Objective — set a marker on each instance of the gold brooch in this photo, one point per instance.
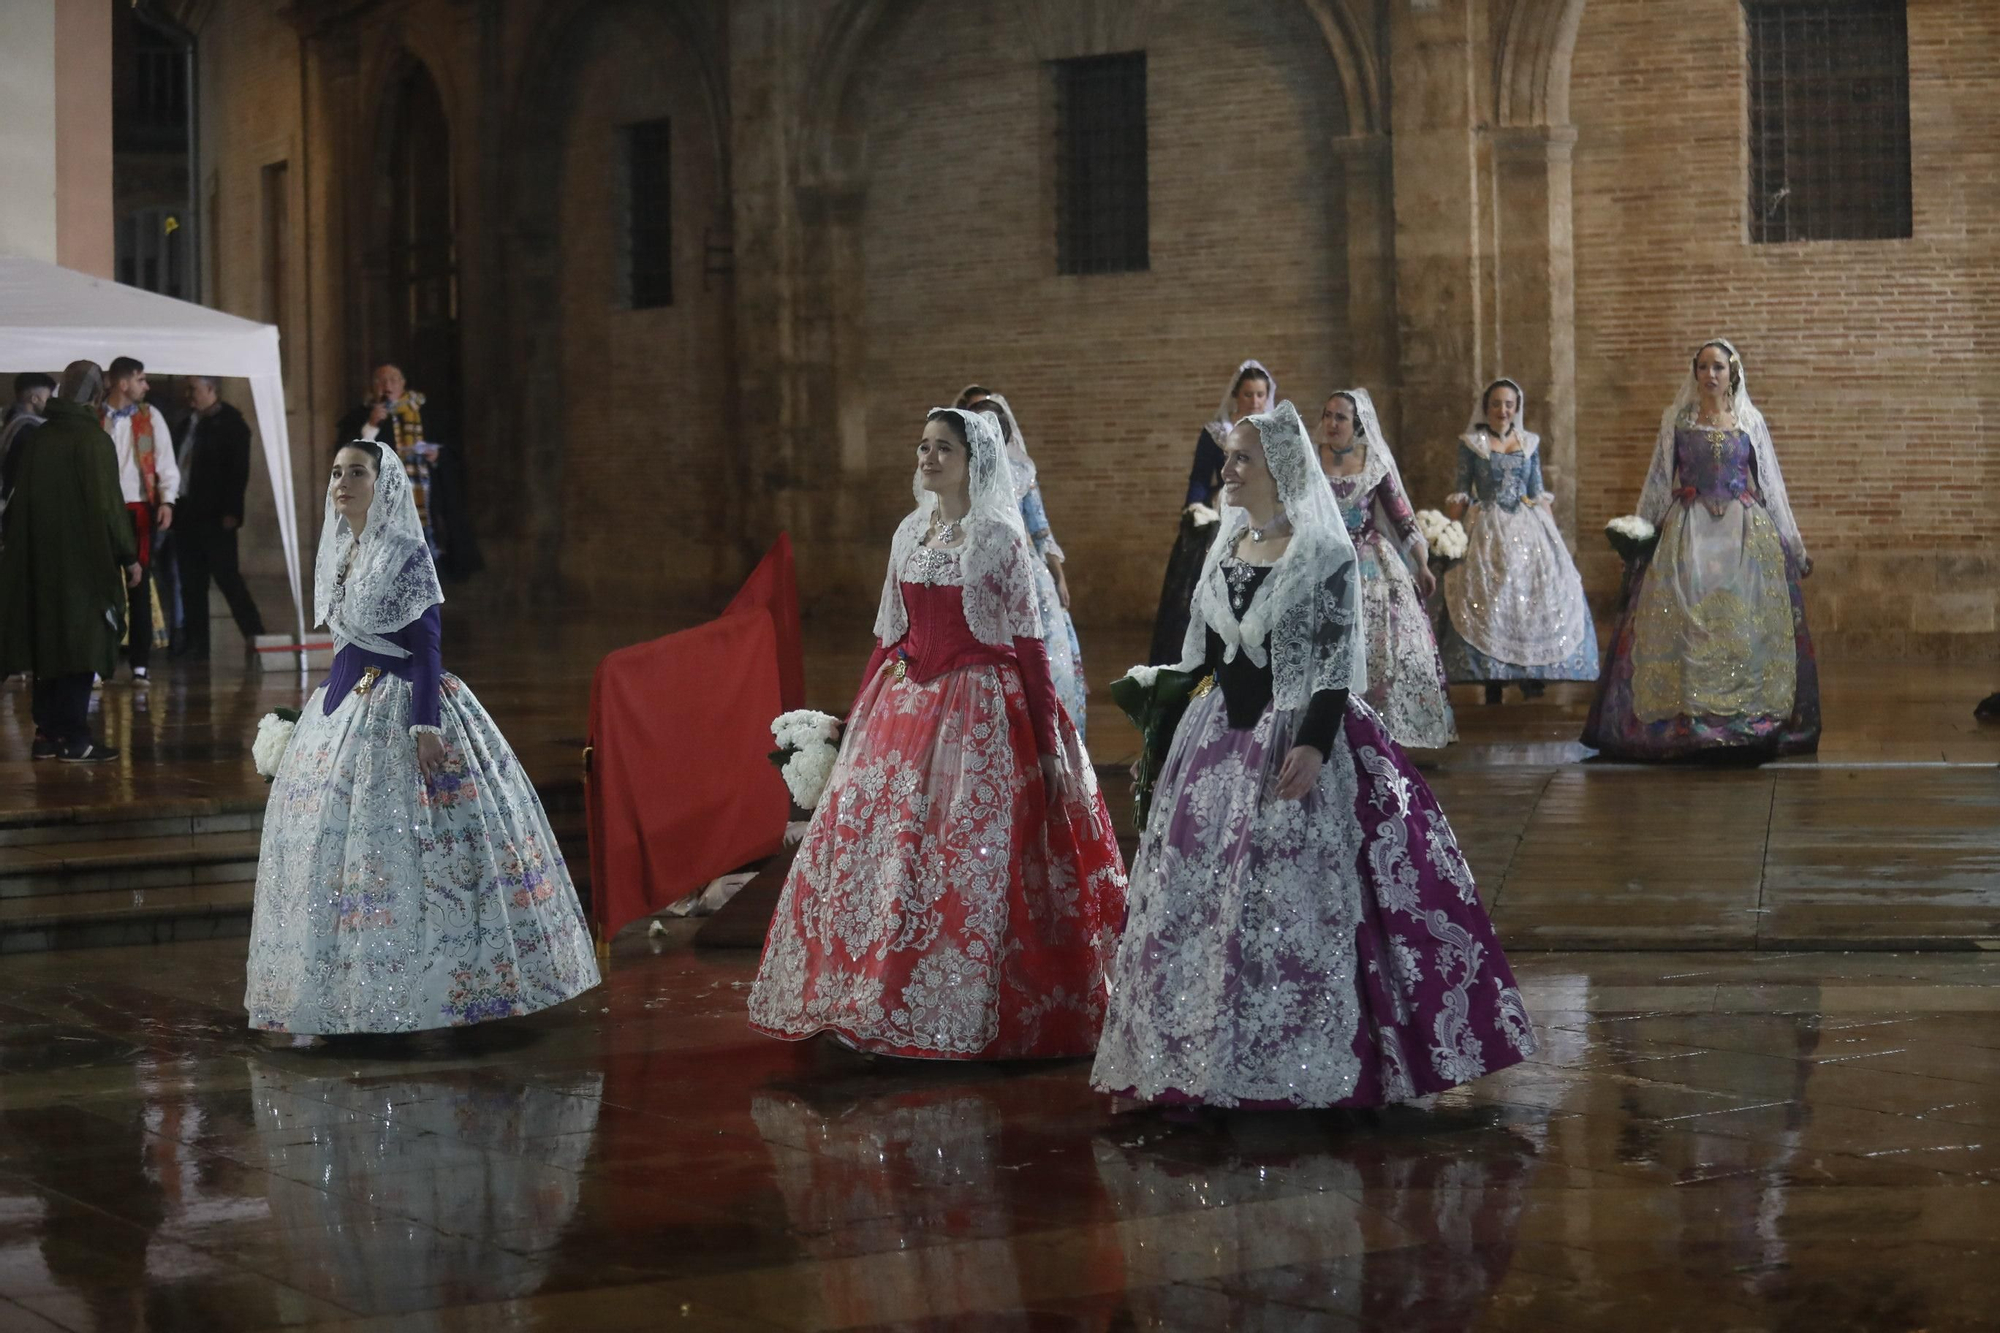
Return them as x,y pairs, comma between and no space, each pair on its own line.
901,669
1207,684
369,676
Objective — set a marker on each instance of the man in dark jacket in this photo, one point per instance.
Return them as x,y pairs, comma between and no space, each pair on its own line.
215,468
62,597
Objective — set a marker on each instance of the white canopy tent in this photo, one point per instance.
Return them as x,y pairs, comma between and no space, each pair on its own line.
51,316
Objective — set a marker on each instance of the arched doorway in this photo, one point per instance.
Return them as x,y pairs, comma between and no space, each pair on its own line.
412,293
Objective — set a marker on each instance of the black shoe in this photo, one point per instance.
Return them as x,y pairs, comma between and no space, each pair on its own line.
87,751
1493,694
1534,689
44,748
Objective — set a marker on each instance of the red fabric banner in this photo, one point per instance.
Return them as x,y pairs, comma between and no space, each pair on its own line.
681,787
774,586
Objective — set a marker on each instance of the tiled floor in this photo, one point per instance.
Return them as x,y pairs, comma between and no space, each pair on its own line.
1711,1141
1707,1142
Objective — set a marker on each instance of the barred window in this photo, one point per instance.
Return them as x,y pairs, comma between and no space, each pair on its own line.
1101,219
1829,120
649,230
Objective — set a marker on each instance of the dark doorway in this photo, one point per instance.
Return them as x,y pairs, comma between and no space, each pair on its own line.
412,316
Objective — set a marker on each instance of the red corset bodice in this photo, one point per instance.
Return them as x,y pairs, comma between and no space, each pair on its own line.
938,640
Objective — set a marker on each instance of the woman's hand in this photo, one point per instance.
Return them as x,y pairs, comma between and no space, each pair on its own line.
1805,567
1427,582
1300,772
1062,584
1055,782
430,753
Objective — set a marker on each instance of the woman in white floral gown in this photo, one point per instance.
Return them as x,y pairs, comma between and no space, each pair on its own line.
408,877
959,888
1303,930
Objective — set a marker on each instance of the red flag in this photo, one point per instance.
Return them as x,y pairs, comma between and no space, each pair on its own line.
681,786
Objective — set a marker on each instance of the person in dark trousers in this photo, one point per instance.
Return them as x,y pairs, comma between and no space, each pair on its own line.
62,592
215,469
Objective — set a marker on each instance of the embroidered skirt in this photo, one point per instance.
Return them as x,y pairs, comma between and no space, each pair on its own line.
1328,951
392,902
939,907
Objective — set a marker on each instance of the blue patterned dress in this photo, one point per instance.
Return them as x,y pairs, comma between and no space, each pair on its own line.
1513,608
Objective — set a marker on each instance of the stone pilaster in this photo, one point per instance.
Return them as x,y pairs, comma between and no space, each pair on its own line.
1536,293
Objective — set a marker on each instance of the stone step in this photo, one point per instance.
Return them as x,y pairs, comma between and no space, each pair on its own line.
82,879
143,916
113,865
31,828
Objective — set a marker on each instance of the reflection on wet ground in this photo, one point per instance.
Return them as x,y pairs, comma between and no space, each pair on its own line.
1708,1142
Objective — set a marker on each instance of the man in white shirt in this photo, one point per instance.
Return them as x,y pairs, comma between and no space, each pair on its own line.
150,479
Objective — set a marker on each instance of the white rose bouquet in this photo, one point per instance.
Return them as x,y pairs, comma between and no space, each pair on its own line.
1445,536
1631,536
808,744
274,734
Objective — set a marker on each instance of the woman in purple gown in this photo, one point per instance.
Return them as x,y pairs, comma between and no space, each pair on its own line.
1303,930
1711,658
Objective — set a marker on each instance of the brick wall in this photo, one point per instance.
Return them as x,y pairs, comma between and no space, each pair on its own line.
1873,361
1112,375
646,480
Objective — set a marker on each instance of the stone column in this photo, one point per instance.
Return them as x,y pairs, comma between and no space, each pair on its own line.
1369,190
1537,293
1433,58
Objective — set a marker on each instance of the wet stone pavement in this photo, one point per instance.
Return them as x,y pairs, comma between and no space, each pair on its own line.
1709,1142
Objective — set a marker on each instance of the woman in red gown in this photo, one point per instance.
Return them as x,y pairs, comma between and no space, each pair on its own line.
959,891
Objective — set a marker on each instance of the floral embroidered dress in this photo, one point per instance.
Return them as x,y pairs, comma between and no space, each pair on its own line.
1514,607
1406,681
389,901
940,906
1712,655
1325,951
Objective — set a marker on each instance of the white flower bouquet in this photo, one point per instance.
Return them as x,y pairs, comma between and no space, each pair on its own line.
1445,536
1631,536
274,733
808,744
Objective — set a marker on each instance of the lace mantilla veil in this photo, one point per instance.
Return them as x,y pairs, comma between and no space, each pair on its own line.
1378,462
1221,423
1658,492
392,579
1304,619
996,559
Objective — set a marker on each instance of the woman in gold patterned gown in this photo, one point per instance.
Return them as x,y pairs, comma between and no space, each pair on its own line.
1711,658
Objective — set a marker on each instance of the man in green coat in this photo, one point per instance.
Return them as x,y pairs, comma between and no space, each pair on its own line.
62,594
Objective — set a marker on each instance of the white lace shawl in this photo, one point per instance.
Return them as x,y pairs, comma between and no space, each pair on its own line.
997,560
392,580
1304,620
1026,477
1657,494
